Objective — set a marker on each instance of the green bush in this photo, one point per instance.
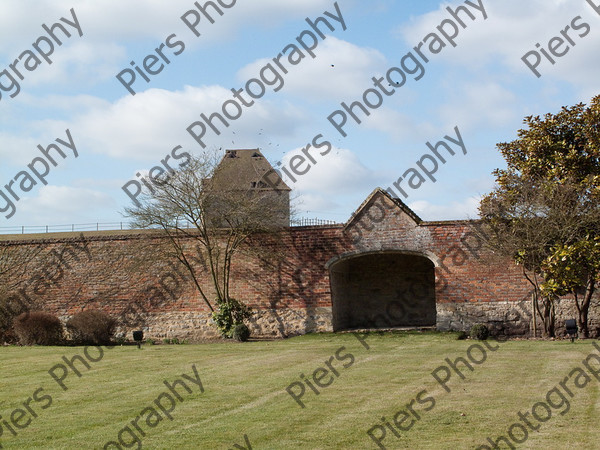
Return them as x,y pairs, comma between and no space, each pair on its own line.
462,335
174,341
38,328
229,314
240,332
92,327
479,332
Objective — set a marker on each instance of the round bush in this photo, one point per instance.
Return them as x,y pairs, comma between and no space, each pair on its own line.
38,328
229,313
479,332
92,327
241,332
462,335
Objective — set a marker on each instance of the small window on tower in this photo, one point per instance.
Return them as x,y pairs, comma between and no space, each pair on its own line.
257,155
231,154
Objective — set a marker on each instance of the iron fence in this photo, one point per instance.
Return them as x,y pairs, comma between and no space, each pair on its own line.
116,226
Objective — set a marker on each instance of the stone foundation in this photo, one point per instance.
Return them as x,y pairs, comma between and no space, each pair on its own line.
507,318
291,322
510,318
196,326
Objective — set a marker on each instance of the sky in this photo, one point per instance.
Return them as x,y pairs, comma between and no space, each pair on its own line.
372,86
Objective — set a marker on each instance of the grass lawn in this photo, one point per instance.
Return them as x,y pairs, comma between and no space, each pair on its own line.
244,394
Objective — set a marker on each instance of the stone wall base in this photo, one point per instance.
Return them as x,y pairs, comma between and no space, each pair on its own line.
290,322
195,326
510,318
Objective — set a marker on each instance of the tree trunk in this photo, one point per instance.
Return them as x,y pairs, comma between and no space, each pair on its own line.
583,309
582,322
549,318
547,315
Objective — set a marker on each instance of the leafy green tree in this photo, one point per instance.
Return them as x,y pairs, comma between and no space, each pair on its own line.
547,197
574,269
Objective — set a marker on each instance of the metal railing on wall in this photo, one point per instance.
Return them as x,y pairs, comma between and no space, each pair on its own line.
116,226
34,229
303,222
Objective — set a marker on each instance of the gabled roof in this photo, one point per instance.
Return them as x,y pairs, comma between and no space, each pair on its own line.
245,169
372,198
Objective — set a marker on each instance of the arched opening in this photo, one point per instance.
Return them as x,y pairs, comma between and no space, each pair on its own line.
383,290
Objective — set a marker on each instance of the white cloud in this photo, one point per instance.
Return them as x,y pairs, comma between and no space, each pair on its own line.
70,104
147,127
398,125
513,27
109,26
16,149
53,203
313,205
477,104
341,71
338,172
139,19
482,184
81,63
466,209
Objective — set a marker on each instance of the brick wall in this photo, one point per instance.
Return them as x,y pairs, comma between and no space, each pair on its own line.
292,293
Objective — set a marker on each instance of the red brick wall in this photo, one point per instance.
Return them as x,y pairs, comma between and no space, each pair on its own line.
105,276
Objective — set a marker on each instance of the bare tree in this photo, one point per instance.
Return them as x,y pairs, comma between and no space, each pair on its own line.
206,212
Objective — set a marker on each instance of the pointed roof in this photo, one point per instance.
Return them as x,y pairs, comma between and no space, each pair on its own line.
246,168
372,198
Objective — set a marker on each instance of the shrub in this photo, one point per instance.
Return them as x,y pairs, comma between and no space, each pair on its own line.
174,341
91,327
479,332
38,328
240,332
230,313
462,335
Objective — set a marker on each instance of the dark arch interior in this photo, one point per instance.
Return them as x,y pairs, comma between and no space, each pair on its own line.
383,291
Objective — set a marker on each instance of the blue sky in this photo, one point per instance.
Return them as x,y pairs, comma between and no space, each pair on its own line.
481,86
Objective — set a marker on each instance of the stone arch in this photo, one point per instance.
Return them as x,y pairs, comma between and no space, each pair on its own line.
382,289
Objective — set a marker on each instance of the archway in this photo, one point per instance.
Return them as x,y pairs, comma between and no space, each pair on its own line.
383,290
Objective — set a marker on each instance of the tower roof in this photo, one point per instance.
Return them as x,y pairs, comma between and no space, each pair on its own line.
245,169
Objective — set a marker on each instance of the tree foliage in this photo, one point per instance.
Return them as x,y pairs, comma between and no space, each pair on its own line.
546,201
574,269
